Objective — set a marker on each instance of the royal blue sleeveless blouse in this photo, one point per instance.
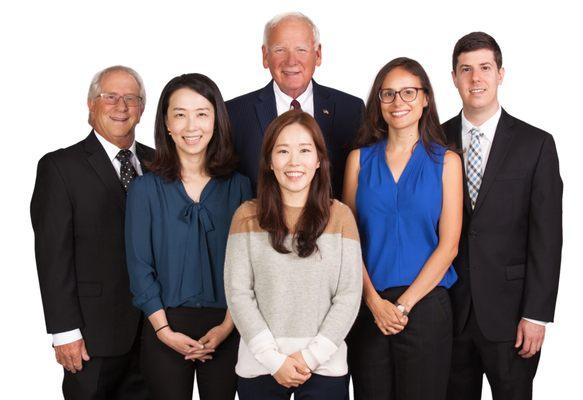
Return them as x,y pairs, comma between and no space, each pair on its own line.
398,221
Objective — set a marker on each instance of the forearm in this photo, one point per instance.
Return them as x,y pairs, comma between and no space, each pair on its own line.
430,275
158,319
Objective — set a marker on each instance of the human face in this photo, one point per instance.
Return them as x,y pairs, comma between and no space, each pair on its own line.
399,115
190,120
294,161
477,78
116,122
291,57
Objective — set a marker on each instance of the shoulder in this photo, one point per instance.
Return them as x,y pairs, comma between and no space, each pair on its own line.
243,99
527,129
147,151
341,96
245,218
144,184
63,157
342,221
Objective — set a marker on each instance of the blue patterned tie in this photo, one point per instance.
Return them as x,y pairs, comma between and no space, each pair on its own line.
474,167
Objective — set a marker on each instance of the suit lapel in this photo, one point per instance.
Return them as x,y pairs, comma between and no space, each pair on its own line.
323,110
456,132
498,152
265,106
143,155
97,158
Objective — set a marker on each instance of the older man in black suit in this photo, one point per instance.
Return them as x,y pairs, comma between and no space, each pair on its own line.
292,51
510,248
77,211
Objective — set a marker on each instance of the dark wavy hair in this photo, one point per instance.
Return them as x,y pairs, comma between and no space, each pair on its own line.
220,159
476,41
374,128
270,209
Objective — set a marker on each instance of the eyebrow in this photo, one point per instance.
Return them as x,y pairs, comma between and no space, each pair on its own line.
196,109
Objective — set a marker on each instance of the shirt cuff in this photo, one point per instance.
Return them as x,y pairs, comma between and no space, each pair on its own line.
319,350
62,338
535,321
265,350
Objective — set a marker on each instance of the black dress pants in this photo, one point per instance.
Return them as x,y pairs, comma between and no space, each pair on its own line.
108,378
169,376
510,376
411,365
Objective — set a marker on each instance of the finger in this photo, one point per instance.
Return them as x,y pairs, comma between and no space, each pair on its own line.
526,347
84,353
519,338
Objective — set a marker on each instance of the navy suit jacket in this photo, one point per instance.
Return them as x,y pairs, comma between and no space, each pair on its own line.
338,114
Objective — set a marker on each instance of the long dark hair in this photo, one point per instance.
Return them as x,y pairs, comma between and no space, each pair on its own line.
220,159
270,210
374,128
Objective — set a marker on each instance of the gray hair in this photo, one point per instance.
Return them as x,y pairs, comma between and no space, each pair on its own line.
95,87
273,22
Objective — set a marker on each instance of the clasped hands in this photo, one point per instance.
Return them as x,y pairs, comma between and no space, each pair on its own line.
191,349
293,372
387,317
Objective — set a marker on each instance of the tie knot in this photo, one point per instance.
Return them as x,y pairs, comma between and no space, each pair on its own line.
295,105
476,132
124,155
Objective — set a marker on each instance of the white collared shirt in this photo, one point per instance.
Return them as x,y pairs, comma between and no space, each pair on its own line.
283,101
488,128
111,150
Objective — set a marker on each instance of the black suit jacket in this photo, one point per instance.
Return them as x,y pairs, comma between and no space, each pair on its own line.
510,248
338,114
78,210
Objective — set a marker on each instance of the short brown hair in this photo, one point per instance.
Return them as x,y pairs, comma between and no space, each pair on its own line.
476,41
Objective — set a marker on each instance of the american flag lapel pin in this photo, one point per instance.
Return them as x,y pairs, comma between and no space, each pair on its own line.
325,111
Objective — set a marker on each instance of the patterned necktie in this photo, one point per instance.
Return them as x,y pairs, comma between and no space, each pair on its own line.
127,171
474,166
295,105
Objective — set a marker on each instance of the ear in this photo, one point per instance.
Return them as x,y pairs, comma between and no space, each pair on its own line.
501,73
264,52
318,165
319,55
454,78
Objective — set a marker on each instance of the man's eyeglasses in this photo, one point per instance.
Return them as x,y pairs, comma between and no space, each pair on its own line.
407,94
129,99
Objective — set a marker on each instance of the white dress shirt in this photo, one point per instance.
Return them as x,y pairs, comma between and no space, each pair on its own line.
111,150
283,101
488,128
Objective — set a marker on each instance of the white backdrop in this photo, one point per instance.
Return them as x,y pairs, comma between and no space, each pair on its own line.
51,49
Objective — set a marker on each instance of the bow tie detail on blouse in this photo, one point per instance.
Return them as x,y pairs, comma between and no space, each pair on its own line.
200,272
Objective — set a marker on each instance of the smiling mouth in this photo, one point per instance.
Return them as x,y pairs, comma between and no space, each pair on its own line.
291,73
119,119
477,91
294,174
399,114
192,139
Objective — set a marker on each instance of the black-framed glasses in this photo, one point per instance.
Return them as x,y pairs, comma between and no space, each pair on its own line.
130,100
407,94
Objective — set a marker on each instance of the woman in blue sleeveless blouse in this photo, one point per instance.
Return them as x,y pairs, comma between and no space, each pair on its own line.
405,189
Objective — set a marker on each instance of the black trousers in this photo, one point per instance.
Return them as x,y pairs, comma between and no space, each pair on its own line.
318,387
510,376
169,376
414,364
108,378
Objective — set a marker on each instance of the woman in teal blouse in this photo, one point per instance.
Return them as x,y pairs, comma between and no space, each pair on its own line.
177,223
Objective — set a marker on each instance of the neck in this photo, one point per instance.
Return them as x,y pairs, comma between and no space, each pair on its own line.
294,199
477,116
403,139
294,94
192,166
124,142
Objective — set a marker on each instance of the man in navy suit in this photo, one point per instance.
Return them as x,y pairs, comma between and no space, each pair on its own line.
292,51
